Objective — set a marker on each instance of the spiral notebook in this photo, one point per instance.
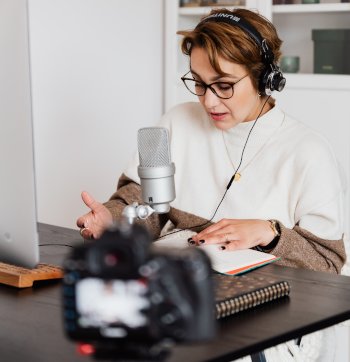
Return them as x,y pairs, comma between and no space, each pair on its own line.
234,294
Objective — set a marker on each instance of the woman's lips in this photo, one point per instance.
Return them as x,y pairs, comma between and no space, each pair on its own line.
217,116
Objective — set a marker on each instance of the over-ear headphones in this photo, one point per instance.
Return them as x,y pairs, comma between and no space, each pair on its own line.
271,77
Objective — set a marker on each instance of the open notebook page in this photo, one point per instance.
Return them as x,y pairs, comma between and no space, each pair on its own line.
224,261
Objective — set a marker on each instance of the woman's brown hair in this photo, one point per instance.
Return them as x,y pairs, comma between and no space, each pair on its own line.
232,43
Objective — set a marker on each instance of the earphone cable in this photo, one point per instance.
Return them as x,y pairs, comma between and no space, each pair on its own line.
245,145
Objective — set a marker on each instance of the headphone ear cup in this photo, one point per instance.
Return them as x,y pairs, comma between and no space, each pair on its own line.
263,82
278,80
271,79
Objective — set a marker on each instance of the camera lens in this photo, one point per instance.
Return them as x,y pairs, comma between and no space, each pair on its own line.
111,259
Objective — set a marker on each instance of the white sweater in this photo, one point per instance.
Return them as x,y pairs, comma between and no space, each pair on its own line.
289,172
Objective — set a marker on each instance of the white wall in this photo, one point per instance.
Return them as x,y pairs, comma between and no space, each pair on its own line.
325,108
97,68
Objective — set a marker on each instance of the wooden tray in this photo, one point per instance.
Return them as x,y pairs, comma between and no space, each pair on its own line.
23,278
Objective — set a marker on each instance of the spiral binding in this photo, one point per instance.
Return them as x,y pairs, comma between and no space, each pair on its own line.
251,299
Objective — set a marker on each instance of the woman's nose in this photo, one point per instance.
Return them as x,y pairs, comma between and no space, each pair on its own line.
210,99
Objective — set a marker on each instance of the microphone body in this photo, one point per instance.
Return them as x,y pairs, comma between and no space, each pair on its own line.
156,171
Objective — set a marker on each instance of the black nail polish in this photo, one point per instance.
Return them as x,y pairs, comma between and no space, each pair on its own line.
202,241
222,247
190,241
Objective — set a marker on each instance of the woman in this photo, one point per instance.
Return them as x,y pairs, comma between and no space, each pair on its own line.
284,193
247,174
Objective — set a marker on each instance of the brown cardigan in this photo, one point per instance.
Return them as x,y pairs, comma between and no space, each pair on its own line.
297,247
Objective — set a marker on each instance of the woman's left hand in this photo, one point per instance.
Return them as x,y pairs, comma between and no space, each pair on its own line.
233,234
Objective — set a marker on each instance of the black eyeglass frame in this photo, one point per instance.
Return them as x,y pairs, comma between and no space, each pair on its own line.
206,86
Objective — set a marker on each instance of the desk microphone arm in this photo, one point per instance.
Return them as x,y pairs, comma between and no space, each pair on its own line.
136,211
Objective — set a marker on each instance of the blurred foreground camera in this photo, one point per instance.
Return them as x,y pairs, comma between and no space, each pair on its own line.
128,300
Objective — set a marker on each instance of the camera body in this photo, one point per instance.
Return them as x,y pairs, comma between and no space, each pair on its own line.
118,291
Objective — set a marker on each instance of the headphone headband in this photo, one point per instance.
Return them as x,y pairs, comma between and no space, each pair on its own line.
267,54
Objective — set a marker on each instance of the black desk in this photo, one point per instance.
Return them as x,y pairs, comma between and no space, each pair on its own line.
31,323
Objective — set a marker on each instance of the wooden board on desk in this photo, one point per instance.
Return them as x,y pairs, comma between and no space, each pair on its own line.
23,277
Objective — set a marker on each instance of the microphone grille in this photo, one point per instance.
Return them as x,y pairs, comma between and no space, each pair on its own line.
153,146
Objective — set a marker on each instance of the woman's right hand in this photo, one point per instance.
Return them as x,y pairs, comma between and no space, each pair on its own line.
95,222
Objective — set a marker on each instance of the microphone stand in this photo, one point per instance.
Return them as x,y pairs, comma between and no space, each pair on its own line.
136,211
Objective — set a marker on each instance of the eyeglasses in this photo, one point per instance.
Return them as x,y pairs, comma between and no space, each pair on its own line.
223,90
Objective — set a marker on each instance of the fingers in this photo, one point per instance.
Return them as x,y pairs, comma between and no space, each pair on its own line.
221,232
85,220
90,202
233,234
226,233
86,233
96,221
81,221
220,237
233,245
211,229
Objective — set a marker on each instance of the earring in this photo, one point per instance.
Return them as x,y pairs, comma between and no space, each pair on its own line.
259,94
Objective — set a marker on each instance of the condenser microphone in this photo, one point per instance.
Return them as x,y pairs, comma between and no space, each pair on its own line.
156,171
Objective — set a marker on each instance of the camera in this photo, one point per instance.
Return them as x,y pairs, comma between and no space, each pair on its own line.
127,299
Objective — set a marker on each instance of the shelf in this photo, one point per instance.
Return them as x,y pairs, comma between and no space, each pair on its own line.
202,10
329,82
276,9
310,8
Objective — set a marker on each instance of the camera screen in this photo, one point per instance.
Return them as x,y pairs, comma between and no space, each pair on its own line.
111,303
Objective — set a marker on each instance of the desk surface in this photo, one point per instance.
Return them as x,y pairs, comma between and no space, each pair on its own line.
31,319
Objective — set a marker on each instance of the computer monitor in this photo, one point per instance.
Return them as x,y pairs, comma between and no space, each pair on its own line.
18,219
